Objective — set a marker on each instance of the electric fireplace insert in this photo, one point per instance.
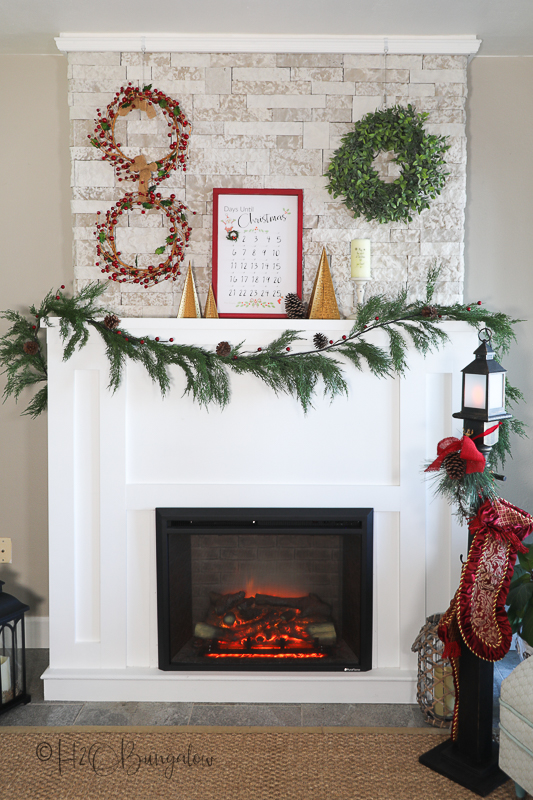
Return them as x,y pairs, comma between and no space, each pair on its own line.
285,589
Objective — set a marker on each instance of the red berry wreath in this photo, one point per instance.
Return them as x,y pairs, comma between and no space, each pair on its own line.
131,169
179,232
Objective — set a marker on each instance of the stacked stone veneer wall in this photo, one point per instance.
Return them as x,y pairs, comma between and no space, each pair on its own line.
269,121
282,564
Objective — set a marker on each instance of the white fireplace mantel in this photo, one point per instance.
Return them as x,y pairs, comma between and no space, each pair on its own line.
114,458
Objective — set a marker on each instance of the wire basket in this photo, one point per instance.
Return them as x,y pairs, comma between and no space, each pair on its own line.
435,692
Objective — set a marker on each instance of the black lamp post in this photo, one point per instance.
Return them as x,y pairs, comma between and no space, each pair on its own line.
12,652
472,760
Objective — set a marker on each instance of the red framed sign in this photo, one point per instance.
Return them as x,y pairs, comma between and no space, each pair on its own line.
257,250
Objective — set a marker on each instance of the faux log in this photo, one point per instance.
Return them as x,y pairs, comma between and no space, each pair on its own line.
311,605
323,631
223,603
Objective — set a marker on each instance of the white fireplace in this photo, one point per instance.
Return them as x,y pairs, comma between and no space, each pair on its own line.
115,458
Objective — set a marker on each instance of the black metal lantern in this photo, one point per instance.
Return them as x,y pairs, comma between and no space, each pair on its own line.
483,397
12,652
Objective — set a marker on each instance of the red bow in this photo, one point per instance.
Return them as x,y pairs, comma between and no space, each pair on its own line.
475,461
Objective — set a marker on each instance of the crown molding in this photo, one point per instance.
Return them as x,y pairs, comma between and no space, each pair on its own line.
259,43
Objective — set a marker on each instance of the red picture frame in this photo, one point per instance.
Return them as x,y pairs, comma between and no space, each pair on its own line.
257,251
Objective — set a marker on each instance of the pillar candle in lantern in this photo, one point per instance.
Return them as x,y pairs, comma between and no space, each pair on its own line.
5,677
360,258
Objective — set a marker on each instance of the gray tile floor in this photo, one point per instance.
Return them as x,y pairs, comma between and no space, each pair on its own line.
41,712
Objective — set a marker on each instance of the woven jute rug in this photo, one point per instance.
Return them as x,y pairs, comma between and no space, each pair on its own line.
222,764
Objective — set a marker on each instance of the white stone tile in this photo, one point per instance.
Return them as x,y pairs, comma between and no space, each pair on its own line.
263,128
90,206
87,72
316,135
365,105
294,162
289,142
309,60
438,76
451,89
93,173
218,80
190,59
261,74
286,101
263,60
148,59
293,114
178,88
404,61
313,183
271,87
141,75
377,75
445,128
441,249
333,87
421,89
317,74
332,114
355,61
444,62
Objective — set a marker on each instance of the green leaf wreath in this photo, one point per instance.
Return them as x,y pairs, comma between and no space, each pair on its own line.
420,156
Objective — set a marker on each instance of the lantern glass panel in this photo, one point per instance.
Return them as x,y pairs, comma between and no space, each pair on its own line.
11,661
493,437
475,391
496,390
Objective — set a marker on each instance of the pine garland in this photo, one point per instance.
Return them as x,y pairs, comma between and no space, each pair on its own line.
283,369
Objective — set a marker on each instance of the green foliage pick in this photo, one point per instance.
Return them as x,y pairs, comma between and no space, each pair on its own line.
419,155
520,597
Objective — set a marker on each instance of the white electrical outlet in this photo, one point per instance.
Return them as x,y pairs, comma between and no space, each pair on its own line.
5,551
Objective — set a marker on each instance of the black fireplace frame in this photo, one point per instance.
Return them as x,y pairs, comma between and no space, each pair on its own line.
355,527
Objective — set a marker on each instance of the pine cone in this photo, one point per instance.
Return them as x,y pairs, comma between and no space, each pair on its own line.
455,466
430,312
31,348
223,349
294,308
111,322
320,341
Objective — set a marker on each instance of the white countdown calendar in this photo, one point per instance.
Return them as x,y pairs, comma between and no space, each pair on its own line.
257,250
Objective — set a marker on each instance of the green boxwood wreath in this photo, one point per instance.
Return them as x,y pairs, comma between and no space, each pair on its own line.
420,156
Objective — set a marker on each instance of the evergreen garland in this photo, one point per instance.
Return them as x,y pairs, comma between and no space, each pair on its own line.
283,369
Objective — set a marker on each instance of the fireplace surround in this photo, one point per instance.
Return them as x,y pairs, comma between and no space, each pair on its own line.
115,458
305,580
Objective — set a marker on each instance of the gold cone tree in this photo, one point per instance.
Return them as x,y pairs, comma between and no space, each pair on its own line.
323,303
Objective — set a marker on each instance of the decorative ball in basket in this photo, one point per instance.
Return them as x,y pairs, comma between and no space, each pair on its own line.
435,692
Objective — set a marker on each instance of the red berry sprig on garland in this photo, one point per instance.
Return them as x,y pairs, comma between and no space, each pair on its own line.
145,99
114,264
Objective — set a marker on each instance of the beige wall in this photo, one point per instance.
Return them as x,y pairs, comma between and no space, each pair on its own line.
36,256
499,220
35,248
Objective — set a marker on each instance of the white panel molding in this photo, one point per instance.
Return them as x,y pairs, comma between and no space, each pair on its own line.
467,44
